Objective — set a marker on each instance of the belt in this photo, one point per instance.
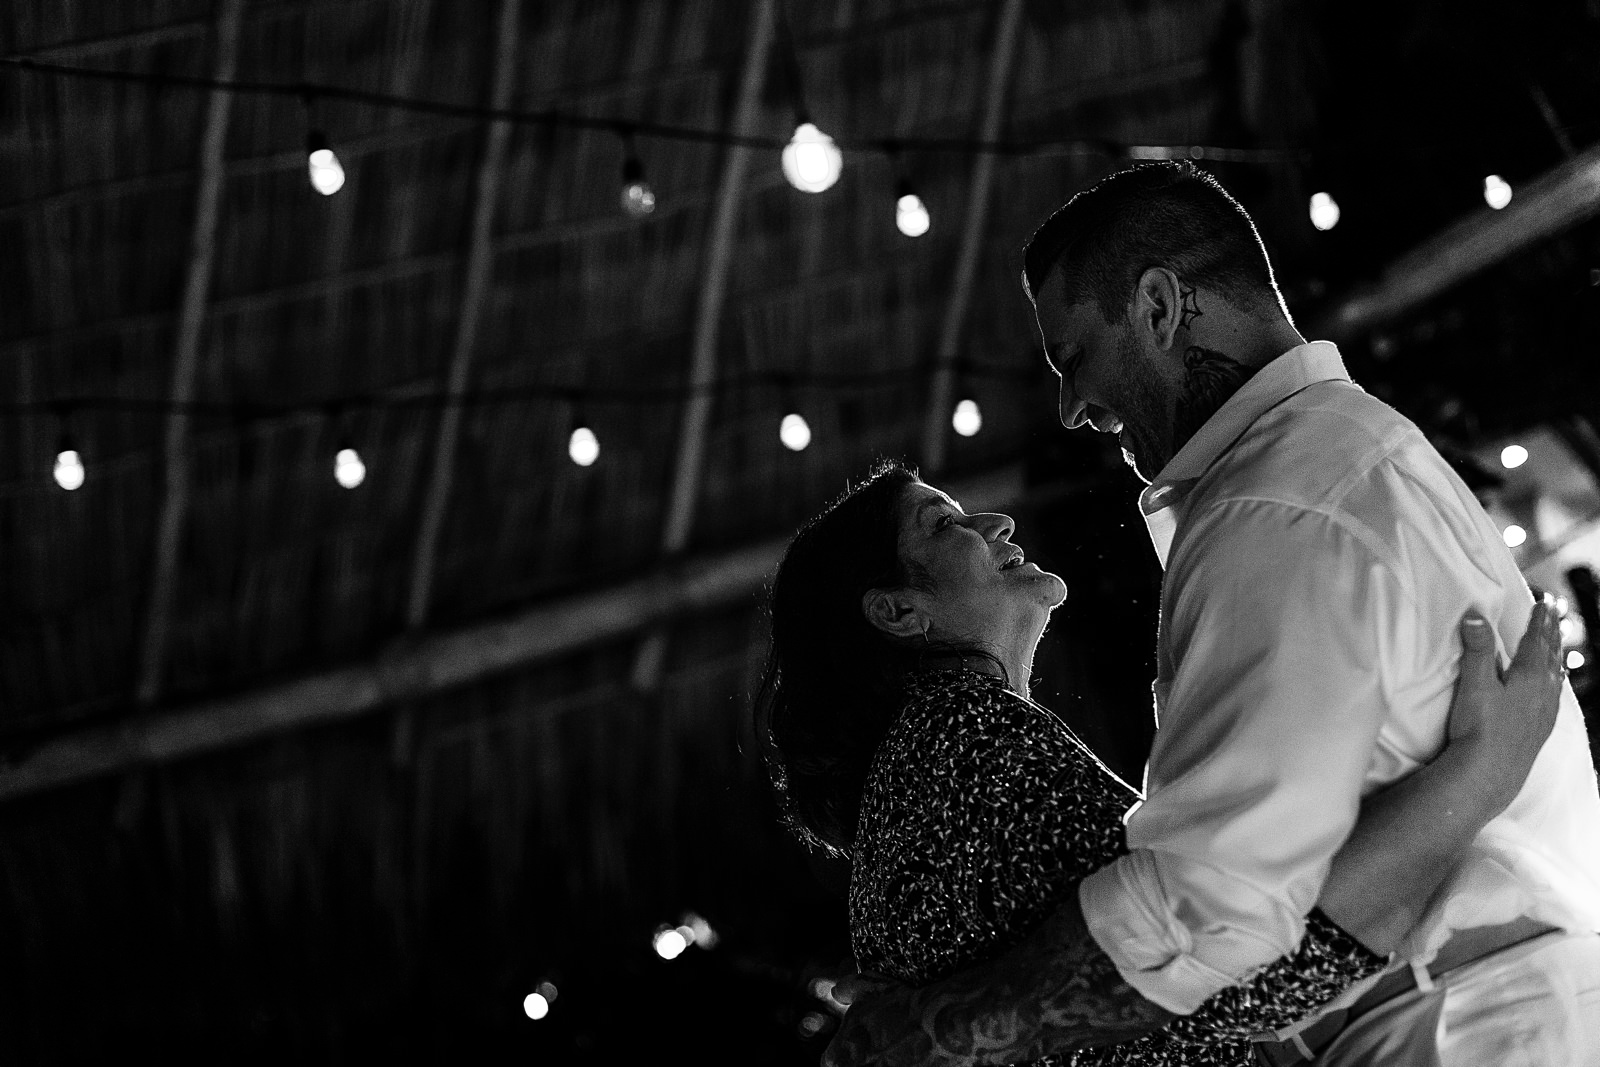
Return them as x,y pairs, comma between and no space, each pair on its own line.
1464,947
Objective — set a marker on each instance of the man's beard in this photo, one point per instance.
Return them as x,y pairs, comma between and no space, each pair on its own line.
1144,415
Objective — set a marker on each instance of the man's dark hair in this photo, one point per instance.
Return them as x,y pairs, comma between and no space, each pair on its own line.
1170,215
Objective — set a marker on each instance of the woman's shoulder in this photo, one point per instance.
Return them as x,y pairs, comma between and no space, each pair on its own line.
971,712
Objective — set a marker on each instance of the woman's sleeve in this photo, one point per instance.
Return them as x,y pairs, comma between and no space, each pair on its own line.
1327,962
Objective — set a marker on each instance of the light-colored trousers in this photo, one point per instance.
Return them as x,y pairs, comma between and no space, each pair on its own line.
1534,1005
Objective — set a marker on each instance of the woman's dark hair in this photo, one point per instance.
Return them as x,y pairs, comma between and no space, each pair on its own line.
1168,214
832,684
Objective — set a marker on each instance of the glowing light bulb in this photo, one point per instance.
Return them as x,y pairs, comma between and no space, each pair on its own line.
1324,211
1513,456
1496,191
69,470
911,215
535,1006
1574,659
583,447
327,175
669,944
348,470
638,199
794,433
967,419
811,161
1514,535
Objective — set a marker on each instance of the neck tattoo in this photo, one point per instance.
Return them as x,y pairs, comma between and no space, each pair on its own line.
1210,379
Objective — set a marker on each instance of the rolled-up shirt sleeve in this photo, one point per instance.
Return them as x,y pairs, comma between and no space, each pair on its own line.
1283,628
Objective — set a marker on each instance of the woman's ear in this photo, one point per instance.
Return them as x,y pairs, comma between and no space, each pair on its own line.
894,611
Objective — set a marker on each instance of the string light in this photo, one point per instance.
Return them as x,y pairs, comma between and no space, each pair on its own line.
794,432
327,175
535,1006
348,470
811,160
69,470
1324,211
967,420
1574,659
1513,456
1496,191
638,199
1514,535
583,447
669,943
910,213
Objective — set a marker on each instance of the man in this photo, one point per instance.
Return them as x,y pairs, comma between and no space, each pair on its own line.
1318,552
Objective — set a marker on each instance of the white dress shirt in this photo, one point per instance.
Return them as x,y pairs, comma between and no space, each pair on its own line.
1319,556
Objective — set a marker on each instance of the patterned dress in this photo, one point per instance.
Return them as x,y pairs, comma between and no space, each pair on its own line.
982,812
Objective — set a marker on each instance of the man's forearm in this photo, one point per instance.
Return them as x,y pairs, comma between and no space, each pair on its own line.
1054,992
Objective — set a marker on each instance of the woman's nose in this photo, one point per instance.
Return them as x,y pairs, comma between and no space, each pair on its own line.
998,527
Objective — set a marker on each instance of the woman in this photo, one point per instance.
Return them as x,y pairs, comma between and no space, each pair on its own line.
896,712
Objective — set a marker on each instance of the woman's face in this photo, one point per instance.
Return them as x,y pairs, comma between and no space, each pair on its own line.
982,590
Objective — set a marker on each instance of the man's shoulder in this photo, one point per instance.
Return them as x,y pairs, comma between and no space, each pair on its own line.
1321,450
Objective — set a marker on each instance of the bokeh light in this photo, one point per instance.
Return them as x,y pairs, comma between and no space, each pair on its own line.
911,215
348,470
967,419
1513,456
811,161
535,1006
69,470
1324,211
1496,191
1514,535
669,943
794,432
583,447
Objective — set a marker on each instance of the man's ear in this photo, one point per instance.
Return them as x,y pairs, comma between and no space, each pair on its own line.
1158,305
894,611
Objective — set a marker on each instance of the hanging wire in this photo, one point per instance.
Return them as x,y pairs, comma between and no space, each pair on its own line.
551,117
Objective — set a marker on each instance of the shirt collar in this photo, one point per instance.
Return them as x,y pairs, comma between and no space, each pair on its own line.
1301,366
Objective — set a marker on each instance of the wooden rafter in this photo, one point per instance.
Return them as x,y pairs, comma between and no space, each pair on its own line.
474,297
678,521
941,391
417,668
1564,197
186,362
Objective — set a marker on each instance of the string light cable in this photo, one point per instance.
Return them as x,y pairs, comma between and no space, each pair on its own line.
552,117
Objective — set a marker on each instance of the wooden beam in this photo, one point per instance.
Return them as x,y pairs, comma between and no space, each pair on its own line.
941,392
186,361
415,668
1564,197
678,522
474,297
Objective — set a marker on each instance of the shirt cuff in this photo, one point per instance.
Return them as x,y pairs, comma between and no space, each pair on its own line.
1152,950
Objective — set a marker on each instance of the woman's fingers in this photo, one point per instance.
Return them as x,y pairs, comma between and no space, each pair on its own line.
1477,652
1538,658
